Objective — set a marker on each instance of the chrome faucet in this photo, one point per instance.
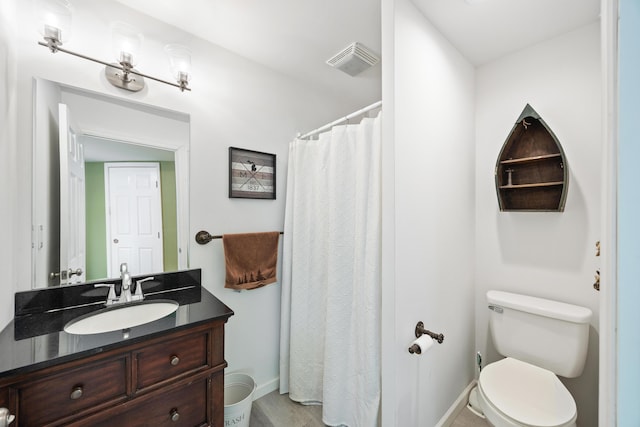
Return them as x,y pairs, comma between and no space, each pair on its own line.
111,297
138,295
125,291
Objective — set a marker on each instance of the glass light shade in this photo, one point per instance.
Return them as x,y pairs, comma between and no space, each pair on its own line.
54,19
180,60
126,42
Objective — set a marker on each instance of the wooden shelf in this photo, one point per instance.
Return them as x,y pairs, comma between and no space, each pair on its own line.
531,170
537,184
530,159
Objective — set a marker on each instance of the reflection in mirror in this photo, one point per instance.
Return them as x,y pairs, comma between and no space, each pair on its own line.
124,198
137,186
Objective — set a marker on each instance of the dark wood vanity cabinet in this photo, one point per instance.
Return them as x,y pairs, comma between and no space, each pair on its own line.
176,379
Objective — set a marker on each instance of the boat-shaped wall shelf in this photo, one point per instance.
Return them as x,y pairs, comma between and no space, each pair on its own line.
531,171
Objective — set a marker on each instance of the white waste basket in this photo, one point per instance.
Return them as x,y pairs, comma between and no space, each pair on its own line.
238,397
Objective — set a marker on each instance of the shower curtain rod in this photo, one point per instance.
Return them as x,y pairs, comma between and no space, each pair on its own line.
341,120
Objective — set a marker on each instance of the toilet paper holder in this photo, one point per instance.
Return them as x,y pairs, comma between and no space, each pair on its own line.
420,331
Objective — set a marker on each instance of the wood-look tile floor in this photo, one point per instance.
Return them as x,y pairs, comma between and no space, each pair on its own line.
277,410
466,418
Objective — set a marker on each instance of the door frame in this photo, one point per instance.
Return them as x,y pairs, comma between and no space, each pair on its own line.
115,165
180,150
608,346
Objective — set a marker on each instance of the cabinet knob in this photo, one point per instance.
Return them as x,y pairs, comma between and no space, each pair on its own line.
175,416
175,360
76,393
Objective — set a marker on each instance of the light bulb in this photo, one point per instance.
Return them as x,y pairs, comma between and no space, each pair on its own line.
54,19
126,43
180,60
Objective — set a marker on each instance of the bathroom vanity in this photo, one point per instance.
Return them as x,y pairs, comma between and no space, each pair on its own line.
166,372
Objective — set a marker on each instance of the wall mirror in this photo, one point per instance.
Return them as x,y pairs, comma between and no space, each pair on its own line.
110,185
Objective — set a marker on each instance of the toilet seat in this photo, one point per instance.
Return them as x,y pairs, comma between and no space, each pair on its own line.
526,395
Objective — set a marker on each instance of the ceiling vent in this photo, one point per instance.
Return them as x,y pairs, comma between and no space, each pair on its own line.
354,59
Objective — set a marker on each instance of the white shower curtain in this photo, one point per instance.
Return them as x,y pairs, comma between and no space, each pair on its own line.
330,339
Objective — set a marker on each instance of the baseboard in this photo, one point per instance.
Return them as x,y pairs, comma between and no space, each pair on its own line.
451,414
266,388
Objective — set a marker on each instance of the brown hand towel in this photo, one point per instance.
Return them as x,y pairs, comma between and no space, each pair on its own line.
251,259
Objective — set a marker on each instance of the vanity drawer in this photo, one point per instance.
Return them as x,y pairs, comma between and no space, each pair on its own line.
181,406
61,395
165,360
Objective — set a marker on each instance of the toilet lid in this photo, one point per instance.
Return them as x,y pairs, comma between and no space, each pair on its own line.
526,393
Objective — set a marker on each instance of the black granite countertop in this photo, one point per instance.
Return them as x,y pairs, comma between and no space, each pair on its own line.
35,338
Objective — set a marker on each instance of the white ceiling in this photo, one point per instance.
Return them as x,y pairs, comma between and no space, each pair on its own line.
296,37
484,30
97,149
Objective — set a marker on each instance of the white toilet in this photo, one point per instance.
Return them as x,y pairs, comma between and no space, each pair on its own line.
540,338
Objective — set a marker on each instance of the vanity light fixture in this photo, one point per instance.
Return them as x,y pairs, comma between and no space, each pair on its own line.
55,24
180,59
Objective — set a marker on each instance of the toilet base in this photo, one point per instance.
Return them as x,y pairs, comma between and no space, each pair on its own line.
473,403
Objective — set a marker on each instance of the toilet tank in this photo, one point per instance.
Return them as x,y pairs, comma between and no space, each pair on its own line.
549,334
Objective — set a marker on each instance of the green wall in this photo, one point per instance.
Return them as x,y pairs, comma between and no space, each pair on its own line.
169,215
96,257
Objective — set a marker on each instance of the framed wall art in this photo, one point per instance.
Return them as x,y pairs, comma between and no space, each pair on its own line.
252,174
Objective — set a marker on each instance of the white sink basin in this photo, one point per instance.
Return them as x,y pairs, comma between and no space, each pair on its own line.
117,317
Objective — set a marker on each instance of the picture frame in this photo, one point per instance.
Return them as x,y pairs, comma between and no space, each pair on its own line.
252,174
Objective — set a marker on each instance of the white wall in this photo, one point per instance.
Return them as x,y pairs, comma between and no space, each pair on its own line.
235,102
550,255
432,254
8,152
429,96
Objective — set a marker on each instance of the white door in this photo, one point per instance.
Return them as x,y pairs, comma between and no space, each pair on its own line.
134,218
72,202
